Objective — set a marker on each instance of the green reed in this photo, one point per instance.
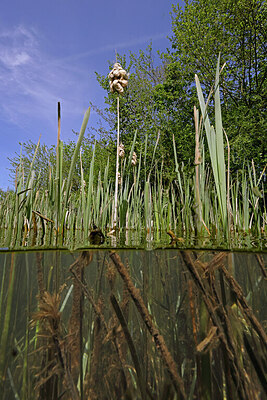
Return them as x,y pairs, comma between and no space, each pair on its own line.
52,217
208,203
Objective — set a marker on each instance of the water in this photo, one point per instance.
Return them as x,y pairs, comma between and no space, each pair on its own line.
133,324
140,239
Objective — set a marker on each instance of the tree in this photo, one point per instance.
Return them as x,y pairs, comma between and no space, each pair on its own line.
237,29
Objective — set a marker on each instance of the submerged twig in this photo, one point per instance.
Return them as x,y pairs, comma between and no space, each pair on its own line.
261,264
55,350
221,321
159,340
206,343
89,295
245,307
86,257
130,343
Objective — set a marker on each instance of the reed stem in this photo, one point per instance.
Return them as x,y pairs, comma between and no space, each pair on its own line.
115,216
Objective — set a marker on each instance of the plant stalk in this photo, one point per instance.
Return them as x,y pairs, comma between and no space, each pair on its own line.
115,216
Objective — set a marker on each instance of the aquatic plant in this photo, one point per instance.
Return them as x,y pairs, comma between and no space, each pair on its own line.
52,217
118,82
160,324
215,142
207,205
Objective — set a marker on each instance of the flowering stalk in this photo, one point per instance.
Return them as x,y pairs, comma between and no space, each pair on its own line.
118,81
117,166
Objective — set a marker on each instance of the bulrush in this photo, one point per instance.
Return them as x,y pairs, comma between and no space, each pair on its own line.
118,79
134,158
119,179
121,150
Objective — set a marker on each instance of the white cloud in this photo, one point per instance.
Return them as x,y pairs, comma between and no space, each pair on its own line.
32,82
16,46
13,59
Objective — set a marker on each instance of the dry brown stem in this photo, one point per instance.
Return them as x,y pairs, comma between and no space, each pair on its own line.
220,320
159,340
248,313
208,341
192,310
75,322
101,332
261,264
96,353
54,350
130,342
89,295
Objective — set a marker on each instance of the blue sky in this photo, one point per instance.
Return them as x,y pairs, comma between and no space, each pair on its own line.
49,52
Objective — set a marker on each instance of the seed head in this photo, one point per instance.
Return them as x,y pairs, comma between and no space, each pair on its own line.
134,158
118,79
121,150
119,178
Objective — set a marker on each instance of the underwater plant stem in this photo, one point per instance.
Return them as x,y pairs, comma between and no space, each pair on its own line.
7,318
40,273
85,258
159,340
130,343
246,310
261,264
221,321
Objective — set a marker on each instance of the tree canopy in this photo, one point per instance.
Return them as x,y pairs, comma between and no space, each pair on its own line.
160,98
237,30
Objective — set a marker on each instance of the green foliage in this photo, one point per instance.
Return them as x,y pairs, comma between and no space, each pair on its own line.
74,189
215,144
45,160
54,217
161,95
237,29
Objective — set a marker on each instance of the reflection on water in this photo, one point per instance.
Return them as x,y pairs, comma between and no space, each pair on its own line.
133,324
142,239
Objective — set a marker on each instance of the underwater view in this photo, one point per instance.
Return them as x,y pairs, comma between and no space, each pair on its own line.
133,324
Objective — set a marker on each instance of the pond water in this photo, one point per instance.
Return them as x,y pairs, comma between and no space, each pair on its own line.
133,324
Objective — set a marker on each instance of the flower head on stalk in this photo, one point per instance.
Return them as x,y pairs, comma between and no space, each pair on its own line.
118,79
119,179
134,158
121,150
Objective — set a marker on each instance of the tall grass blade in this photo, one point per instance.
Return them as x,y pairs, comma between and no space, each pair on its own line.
76,153
88,211
215,144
